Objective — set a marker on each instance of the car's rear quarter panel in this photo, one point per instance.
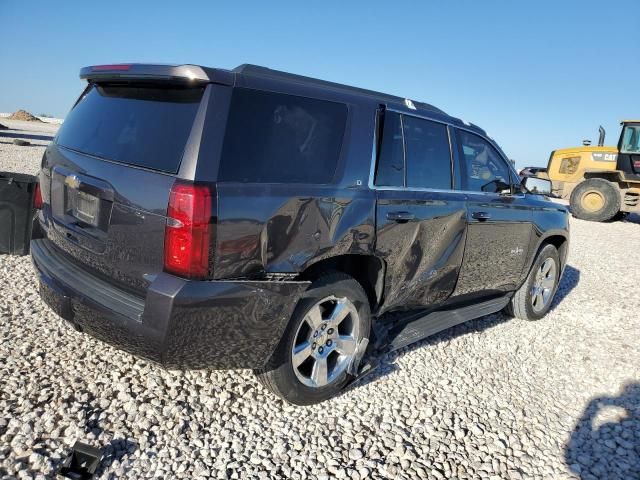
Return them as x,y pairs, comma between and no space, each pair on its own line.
285,228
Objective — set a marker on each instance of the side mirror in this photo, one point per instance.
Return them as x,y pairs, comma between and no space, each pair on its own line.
539,186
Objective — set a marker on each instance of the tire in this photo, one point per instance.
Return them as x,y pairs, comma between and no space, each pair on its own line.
595,199
525,303
303,383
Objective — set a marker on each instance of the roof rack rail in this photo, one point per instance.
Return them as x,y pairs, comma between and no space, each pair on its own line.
257,70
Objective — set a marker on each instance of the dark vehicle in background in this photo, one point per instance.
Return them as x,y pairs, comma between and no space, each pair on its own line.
532,171
207,218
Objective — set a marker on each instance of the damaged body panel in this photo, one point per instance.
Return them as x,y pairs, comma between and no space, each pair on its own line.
286,231
180,323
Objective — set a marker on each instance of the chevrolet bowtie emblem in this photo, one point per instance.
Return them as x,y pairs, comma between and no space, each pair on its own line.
72,181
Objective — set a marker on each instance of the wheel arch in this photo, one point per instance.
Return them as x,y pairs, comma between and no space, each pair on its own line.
368,270
560,240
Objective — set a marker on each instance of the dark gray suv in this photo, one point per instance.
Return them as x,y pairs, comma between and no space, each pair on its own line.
207,218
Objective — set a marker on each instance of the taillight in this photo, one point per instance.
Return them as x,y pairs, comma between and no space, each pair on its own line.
37,197
636,164
188,230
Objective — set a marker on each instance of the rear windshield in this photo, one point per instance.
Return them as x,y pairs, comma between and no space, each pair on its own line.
279,138
145,126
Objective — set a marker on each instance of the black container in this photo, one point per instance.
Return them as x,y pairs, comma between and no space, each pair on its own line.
16,212
82,463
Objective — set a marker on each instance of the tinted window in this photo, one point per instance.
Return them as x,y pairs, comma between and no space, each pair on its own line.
277,138
142,126
428,154
631,139
390,170
483,169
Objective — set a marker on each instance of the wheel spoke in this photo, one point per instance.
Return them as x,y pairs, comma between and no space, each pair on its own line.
314,317
319,373
301,353
546,293
546,266
346,345
548,282
339,313
538,300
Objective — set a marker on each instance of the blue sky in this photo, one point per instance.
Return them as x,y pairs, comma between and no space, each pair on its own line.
536,76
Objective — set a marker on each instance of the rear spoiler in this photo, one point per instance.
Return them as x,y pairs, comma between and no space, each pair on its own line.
189,74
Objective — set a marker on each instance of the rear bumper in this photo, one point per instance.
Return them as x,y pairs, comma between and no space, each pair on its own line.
180,323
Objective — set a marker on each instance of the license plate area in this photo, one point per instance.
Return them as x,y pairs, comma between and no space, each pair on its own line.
84,207
81,206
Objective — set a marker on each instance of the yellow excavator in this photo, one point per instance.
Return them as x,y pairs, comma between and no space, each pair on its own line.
601,183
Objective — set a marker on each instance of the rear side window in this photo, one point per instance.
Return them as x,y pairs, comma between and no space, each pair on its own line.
279,138
390,171
414,153
137,125
428,154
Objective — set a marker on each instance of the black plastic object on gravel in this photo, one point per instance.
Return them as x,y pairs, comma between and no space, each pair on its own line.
82,463
16,212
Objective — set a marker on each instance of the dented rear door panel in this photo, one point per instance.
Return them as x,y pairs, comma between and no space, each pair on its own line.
424,253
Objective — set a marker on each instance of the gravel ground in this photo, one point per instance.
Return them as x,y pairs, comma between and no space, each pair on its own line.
14,158
495,398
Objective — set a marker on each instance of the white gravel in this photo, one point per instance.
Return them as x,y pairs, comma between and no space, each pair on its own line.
14,158
495,398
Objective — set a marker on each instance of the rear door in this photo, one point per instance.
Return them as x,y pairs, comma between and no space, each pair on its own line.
499,220
107,176
420,220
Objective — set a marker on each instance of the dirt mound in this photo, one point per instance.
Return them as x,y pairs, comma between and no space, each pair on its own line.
24,116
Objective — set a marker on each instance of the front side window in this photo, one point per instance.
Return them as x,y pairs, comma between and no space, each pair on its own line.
483,169
279,138
631,139
428,154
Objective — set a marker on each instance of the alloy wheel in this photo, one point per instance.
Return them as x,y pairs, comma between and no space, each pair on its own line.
543,285
326,341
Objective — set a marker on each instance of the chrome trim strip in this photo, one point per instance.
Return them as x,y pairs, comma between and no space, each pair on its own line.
374,152
418,115
404,152
451,159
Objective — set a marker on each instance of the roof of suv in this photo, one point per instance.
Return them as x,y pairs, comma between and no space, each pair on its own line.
201,74
258,71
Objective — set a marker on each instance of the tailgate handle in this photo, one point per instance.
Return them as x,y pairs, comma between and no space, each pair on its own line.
481,215
400,216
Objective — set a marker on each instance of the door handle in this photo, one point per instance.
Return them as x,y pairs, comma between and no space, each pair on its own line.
400,216
481,216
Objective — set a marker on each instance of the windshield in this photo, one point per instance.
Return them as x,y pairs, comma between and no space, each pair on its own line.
630,139
146,126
